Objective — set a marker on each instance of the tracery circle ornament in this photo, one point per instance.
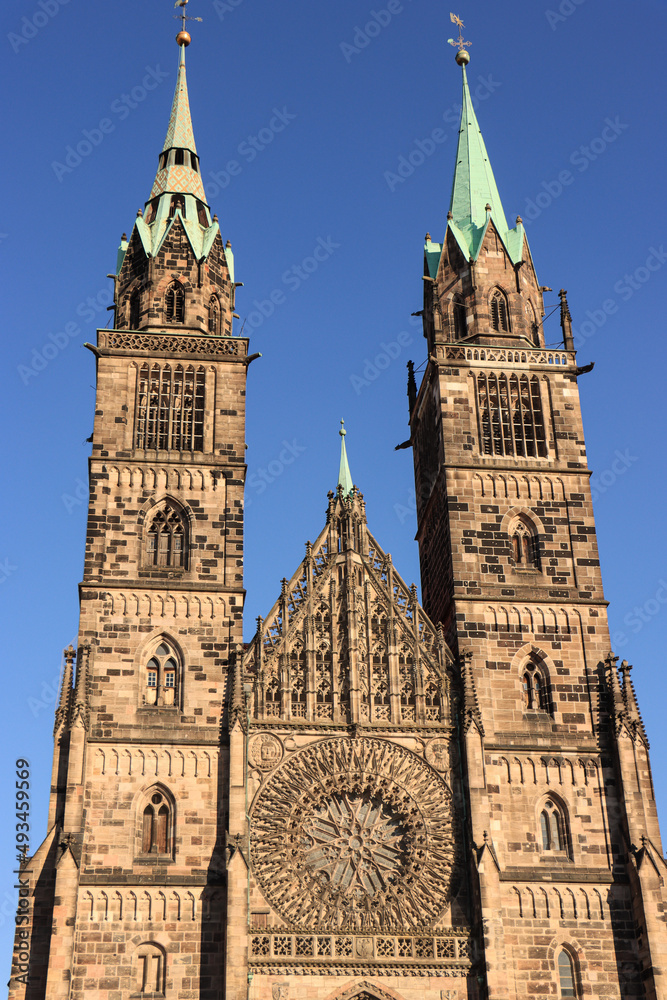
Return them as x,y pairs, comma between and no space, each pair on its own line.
265,751
354,834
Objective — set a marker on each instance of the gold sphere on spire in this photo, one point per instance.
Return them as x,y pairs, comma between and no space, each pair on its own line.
462,57
183,38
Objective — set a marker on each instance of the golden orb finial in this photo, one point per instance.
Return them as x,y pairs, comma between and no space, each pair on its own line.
183,38
462,56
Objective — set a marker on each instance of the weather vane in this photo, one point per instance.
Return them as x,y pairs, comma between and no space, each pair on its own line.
183,16
459,43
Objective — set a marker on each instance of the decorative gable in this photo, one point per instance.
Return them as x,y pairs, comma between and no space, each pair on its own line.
347,641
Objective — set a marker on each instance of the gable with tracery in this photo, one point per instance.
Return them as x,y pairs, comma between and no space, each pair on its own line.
347,641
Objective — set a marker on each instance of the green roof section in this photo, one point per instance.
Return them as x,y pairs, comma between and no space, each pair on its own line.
475,201
344,475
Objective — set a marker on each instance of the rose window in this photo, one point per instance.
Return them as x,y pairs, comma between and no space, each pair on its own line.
354,834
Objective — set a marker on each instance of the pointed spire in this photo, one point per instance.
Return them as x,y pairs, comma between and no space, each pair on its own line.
475,200
344,476
474,185
178,167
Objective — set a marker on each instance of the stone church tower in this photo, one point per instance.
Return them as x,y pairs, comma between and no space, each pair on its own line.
373,800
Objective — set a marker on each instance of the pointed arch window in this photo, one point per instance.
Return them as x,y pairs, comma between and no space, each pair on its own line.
162,677
272,698
174,303
170,408
499,312
213,314
524,545
460,321
553,828
566,977
511,420
432,703
155,826
535,689
167,539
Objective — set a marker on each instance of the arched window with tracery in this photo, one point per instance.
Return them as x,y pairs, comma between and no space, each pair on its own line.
553,828
535,688
524,544
499,312
511,421
157,823
170,408
167,539
174,303
566,974
213,315
162,680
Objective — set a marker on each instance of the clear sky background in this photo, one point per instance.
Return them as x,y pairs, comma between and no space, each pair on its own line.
353,104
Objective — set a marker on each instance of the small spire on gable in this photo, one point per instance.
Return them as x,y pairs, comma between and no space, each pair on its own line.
344,475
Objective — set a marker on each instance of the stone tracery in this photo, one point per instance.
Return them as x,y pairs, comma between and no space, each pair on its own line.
354,834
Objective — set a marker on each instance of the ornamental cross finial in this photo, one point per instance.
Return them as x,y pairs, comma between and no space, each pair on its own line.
183,17
458,43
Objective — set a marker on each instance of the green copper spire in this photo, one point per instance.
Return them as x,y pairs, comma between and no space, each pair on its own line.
475,199
474,185
178,191
344,476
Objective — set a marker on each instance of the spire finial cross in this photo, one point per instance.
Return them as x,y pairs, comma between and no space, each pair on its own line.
183,17
458,43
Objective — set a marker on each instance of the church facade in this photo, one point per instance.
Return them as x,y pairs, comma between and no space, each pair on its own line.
375,799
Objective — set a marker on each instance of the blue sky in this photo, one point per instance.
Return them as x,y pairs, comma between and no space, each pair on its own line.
307,121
